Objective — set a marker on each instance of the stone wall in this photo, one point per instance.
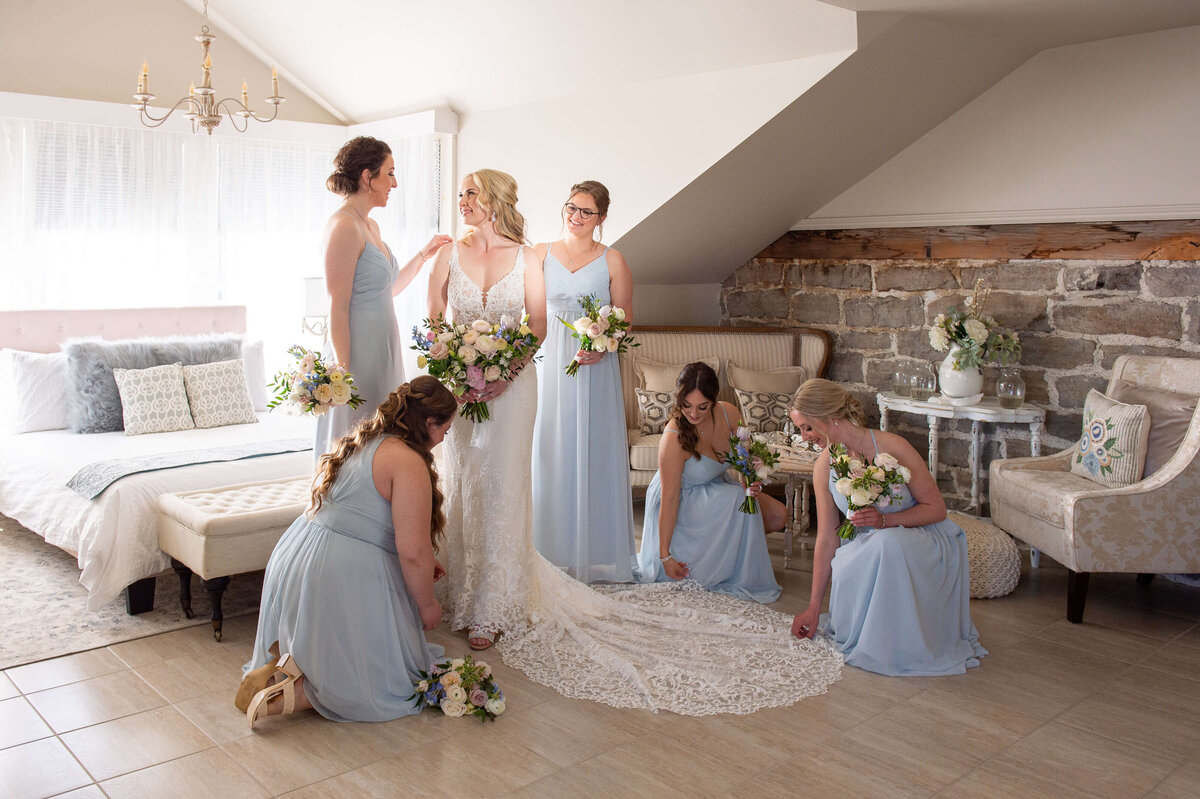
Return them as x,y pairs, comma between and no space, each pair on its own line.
1074,316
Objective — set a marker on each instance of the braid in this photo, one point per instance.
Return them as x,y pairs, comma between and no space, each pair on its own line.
402,415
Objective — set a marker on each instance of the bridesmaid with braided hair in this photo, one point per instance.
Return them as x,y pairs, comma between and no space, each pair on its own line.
348,592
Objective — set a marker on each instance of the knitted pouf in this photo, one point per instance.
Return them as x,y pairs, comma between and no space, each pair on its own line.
993,556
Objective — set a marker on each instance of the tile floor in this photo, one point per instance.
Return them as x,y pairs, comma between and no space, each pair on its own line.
1110,708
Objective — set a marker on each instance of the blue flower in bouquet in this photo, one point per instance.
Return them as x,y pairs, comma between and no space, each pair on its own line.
314,385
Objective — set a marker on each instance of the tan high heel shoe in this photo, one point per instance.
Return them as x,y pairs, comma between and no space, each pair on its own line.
253,682
285,688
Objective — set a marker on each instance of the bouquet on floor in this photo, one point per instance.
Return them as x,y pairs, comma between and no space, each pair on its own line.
314,385
602,328
459,687
753,459
465,357
864,485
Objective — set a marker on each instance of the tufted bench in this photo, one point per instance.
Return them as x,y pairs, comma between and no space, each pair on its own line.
994,558
224,531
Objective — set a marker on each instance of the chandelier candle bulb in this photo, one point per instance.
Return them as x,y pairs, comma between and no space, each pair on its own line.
275,81
245,97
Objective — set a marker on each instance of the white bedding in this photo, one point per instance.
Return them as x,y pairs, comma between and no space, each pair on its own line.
115,536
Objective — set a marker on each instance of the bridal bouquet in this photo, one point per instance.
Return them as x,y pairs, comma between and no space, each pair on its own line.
865,485
602,328
753,459
970,336
459,687
314,385
470,356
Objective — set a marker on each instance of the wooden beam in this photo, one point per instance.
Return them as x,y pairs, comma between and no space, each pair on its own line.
1166,240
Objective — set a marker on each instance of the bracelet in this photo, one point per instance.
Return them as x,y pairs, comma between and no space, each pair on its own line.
421,254
668,557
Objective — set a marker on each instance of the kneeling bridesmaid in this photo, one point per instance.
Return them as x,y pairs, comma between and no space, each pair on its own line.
900,601
348,592
693,527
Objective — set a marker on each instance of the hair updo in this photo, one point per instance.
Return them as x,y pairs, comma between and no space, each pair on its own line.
819,398
404,415
363,152
498,196
700,377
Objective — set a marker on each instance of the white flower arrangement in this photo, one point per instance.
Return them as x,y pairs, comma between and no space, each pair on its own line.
314,386
971,336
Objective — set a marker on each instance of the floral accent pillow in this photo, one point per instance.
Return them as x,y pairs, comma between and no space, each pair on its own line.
218,395
654,410
153,400
764,411
1112,448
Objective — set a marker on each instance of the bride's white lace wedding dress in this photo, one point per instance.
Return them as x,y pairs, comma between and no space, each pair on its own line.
669,646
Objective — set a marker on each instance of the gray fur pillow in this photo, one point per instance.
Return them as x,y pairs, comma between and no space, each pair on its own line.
93,401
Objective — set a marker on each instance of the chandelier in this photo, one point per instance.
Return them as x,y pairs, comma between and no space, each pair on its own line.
201,105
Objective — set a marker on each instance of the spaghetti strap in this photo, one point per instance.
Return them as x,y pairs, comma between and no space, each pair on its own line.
725,413
873,441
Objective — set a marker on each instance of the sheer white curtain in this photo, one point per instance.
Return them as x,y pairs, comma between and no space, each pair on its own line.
103,217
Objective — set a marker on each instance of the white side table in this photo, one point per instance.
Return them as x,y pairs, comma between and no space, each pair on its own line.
797,477
988,410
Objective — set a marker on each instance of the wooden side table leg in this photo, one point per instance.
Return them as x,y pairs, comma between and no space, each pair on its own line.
1035,439
934,423
975,430
789,498
883,420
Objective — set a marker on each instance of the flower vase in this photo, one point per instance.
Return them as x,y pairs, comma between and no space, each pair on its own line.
959,383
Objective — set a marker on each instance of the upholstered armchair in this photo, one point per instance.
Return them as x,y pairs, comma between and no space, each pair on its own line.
1151,526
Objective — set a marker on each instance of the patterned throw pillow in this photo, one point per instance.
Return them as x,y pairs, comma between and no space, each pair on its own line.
153,400
217,394
654,410
1112,449
764,411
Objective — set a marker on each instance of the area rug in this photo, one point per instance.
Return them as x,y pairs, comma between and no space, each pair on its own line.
43,608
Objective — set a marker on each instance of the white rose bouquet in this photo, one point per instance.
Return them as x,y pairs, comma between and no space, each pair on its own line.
314,385
601,328
459,687
753,460
465,357
863,484
973,334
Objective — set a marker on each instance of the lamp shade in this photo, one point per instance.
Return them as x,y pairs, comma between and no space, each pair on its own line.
316,300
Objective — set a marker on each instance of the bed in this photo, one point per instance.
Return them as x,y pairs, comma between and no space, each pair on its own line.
114,536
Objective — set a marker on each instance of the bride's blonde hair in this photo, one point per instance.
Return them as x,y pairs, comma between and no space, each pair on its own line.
498,195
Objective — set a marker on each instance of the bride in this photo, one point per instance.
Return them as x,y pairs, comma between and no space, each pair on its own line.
670,646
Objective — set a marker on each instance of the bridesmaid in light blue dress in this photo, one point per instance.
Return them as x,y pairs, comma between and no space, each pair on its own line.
348,591
582,504
362,276
900,599
693,527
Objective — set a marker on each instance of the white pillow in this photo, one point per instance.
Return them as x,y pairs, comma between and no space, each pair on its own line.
36,391
217,394
153,400
780,380
660,377
256,374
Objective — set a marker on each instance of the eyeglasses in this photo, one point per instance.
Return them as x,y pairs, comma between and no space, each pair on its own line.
584,213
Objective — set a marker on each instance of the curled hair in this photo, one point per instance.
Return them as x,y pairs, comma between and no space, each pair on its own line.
363,152
498,195
599,194
700,377
404,415
819,398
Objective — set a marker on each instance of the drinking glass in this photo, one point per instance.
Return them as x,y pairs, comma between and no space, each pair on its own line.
923,382
902,381
1010,389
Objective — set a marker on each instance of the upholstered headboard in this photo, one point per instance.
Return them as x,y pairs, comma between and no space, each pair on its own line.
43,331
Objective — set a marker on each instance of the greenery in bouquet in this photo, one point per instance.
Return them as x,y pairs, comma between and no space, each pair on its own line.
972,337
754,461
314,386
459,687
601,328
469,356
865,484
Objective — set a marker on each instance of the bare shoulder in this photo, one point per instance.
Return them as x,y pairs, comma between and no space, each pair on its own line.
534,256
616,261
398,461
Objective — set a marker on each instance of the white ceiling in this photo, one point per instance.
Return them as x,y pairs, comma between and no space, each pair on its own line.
380,58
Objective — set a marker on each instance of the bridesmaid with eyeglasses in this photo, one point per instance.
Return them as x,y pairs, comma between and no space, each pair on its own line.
583,511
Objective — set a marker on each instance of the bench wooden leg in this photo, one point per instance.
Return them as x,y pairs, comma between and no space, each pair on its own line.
139,596
216,588
185,587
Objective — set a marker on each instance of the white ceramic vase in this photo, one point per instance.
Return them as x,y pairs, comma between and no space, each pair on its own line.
959,383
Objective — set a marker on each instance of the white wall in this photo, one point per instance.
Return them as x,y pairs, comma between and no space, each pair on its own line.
644,142
1107,130
677,304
